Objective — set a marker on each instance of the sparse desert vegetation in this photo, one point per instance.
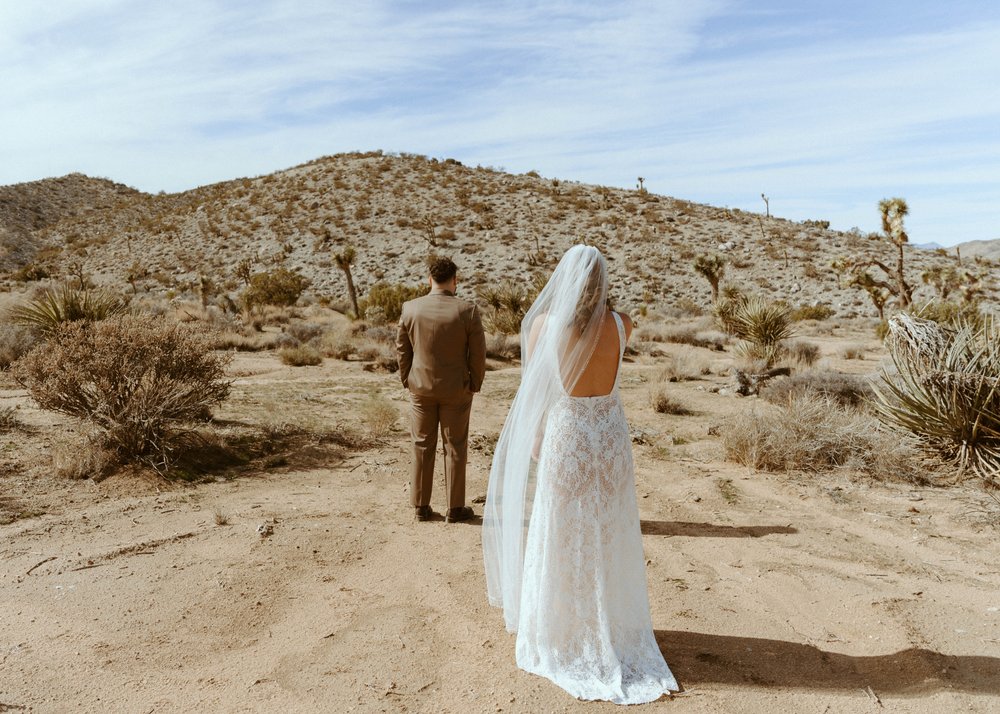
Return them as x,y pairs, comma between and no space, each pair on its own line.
200,412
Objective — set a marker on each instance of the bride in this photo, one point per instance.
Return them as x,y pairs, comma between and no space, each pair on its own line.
561,538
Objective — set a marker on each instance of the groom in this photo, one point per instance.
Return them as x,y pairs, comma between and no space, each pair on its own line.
442,361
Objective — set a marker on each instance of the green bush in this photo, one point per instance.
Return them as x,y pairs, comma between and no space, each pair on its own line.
384,301
274,287
131,377
66,304
811,312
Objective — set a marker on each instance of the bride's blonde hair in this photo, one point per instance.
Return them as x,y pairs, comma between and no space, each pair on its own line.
591,296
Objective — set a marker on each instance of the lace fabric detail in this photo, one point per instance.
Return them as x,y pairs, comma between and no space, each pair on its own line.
584,621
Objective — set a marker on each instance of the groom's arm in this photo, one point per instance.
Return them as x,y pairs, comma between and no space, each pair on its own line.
404,351
477,351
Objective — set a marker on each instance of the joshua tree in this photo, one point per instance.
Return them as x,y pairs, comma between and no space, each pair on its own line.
767,206
893,281
713,267
876,290
344,261
641,188
943,279
893,211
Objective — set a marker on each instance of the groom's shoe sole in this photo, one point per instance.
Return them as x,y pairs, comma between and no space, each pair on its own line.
457,515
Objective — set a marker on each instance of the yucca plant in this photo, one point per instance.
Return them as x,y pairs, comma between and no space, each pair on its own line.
944,388
761,324
67,304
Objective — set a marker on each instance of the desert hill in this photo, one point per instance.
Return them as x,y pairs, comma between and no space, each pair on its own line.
395,209
27,208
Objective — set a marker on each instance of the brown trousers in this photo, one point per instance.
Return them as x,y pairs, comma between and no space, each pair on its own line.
452,416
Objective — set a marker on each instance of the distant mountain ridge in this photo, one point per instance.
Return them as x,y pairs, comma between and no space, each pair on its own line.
396,209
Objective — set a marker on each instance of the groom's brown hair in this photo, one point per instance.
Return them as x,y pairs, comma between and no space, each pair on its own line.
442,269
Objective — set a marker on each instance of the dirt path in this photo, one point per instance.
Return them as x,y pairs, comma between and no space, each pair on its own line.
769,593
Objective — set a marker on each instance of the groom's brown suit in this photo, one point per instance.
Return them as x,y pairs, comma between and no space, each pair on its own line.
442,361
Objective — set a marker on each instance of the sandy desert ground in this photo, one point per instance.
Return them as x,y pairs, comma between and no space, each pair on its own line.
813,593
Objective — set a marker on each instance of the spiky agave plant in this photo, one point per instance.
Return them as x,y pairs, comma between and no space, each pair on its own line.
763,325
67,304
944,388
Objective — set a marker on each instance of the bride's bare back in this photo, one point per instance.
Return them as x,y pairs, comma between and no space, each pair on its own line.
598,377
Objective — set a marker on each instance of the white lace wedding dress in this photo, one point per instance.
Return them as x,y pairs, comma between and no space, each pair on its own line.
584,619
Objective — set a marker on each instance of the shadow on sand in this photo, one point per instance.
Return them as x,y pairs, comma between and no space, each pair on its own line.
699,658
709,530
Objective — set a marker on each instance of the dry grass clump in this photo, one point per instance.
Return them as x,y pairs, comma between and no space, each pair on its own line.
379,416
301,356
813,433
709,339
131,377
802,352
852,351
663,403
685,364
304,331
847,390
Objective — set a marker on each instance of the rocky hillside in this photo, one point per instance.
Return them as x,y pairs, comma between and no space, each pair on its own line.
27,208
396,209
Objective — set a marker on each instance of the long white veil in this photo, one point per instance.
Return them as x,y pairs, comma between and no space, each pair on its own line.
558,337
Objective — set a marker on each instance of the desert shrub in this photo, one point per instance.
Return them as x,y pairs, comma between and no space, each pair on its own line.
15,341
503,347
55,306
847,390
852,351
686,307
131,377
811,312
301,356
304,331
338,344
951,314
812,433
663,403
506,305
384,301
274,287
944,389
802,352
691,336
90,459
31,273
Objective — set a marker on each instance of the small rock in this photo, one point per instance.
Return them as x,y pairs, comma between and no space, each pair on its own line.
264,530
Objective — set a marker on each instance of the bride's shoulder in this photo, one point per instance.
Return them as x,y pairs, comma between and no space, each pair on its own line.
626,321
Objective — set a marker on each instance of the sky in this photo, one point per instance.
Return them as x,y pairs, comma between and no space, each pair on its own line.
825,106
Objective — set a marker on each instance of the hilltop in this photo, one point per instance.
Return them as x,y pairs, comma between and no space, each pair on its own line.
395,209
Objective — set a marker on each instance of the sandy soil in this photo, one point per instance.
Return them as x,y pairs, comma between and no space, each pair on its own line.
770,593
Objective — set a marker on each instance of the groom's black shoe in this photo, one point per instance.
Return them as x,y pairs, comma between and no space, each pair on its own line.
461,513
424,513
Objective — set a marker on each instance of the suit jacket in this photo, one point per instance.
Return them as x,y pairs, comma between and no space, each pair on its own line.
441,346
